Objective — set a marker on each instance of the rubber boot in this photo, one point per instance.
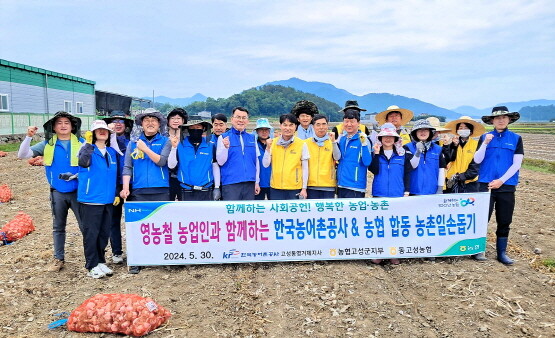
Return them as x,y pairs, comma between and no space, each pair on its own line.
502,251
480,257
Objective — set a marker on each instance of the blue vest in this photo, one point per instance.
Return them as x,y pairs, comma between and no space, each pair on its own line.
97,183
423,179
351,171
265,173
195,168
61,164
499,157
241,164
146,174
123,141
389,181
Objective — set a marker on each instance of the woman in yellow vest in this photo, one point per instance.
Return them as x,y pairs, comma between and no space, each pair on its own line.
462,172
288,156
324,151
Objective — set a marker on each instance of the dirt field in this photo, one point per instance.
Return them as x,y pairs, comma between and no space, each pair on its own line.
455,297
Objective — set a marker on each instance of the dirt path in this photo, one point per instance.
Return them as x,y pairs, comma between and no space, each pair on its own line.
454,297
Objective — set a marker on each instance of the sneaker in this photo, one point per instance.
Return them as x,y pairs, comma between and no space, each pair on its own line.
107,271
96,272
134,270
117,259
480,257
56,265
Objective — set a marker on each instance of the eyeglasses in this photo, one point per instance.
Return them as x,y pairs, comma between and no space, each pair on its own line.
241,117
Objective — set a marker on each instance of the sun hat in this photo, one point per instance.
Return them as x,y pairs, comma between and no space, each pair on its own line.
388,129
119,115
406,115
49,125
500,111
263,123
304,107
152,113
178,111
422,124
478,130
351,104
100,124
196,119
434,121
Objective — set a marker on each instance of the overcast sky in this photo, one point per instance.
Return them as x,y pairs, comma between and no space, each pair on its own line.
448,53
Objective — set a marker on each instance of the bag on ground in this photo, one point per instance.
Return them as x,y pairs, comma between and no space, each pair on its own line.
19,227
5,193
118,313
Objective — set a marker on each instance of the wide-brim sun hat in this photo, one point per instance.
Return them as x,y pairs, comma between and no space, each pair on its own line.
194,120
406,115
49,125
388,129
351,104
422,124
500,111
478,130
150,112
100,124
434,121
119,115
304,107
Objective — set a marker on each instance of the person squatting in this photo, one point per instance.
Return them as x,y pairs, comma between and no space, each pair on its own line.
187,158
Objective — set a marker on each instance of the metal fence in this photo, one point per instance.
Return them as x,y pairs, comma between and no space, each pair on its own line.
17,123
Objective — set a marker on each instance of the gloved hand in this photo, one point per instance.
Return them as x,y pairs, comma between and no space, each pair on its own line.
420,147
67,176
116,201
461,177
137,154
439,189
363,139
217,194
88,137
87,149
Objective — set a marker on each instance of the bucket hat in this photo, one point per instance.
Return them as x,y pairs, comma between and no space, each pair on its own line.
49,125
478,130
178,111
263,123
406,115
500,111
100,124
388,129
351,104
422,124
304,107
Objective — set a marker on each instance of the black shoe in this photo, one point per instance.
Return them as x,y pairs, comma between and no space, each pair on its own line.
134,270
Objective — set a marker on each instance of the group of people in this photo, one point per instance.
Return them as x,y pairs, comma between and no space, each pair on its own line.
187,158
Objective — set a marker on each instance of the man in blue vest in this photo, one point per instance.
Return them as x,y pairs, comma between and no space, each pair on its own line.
356,156
500,154
237,155
59,150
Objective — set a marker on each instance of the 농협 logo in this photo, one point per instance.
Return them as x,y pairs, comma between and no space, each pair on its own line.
468,201
134,210
333,252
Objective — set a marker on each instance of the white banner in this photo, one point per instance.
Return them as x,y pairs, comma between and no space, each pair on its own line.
166,233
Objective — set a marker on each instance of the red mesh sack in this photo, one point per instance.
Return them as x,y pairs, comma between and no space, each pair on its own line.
37,161
5,193
3,154
19,227
118,313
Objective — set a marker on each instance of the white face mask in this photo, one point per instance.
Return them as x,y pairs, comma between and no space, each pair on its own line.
463,132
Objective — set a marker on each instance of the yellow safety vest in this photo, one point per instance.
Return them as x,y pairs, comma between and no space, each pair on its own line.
405,138
464,157
75,146
321,165
287,173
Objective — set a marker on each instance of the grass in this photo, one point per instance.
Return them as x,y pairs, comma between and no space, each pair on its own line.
539,165
13,146
549,263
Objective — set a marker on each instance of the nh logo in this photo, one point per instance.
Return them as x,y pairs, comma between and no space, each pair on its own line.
134,210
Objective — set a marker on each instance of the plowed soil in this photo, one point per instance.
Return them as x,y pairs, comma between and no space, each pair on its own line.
454,297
